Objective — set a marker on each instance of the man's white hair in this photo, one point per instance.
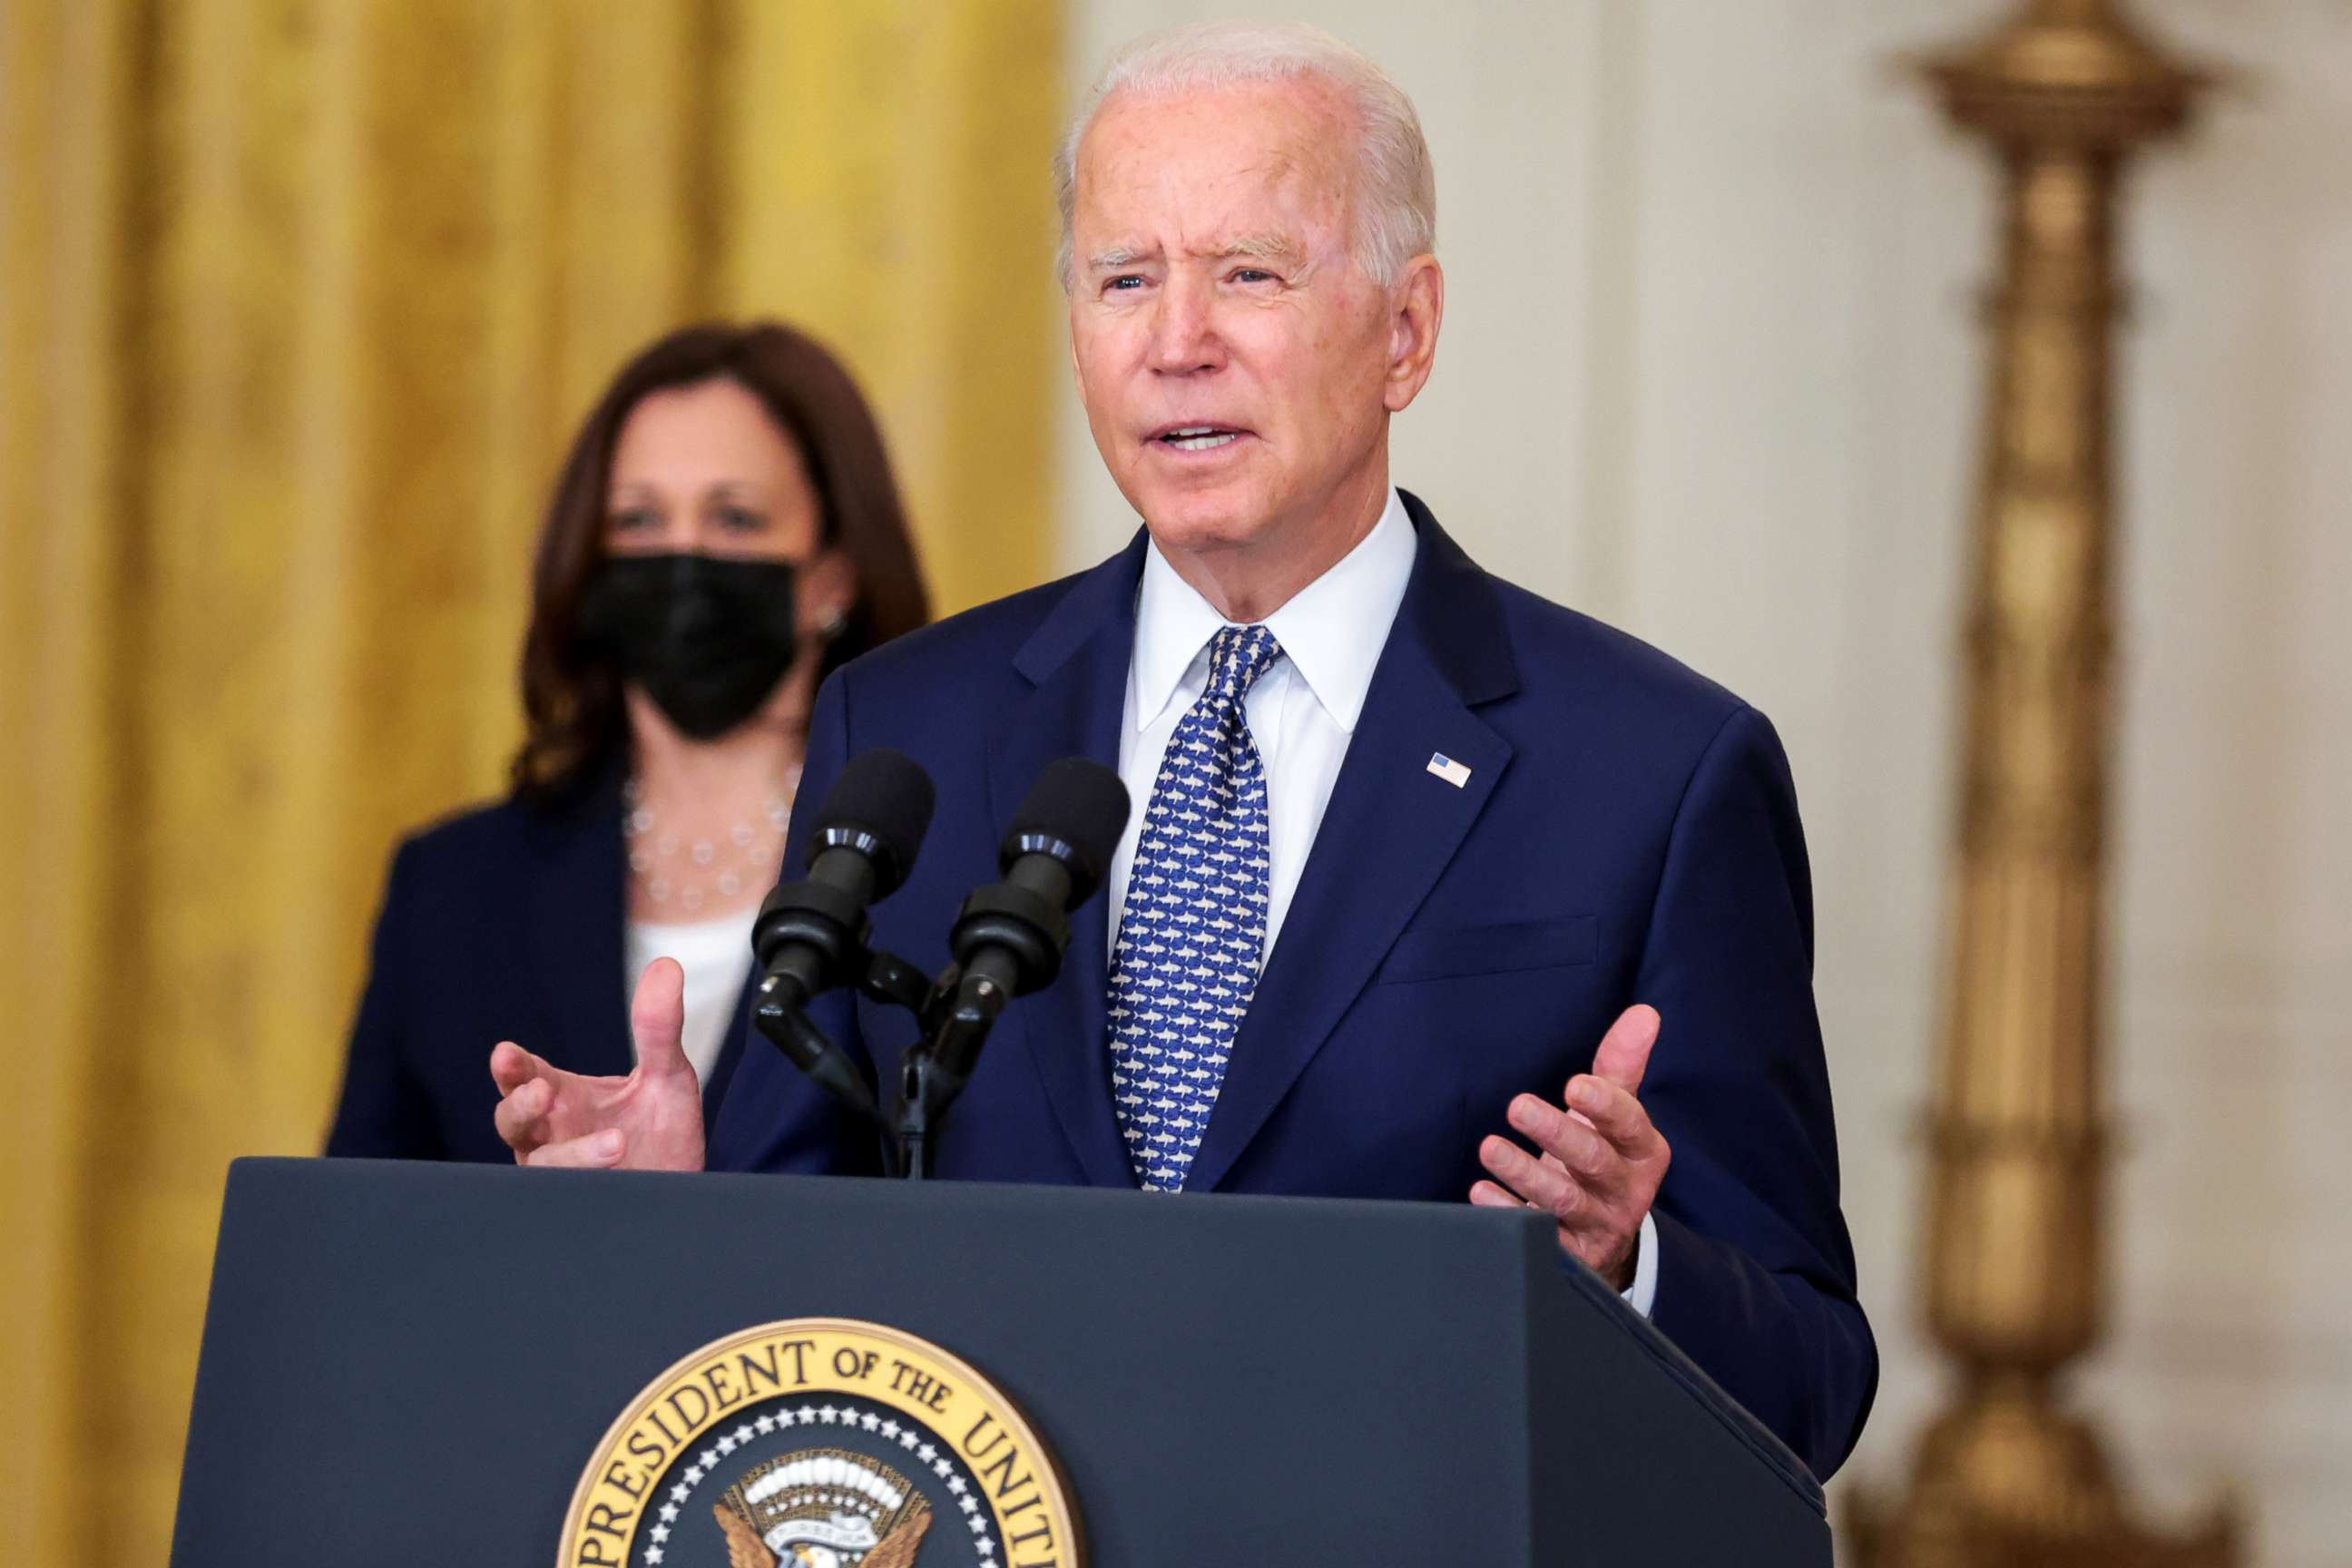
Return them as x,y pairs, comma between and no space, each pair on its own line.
1395,196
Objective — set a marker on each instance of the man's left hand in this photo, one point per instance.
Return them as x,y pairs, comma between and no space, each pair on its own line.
1601,1159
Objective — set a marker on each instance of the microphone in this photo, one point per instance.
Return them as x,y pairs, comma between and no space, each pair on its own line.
868,833
1010,938
811,935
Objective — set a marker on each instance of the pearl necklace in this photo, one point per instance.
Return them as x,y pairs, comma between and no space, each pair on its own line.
686,874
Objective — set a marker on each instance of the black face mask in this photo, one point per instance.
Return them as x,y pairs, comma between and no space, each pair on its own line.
706,637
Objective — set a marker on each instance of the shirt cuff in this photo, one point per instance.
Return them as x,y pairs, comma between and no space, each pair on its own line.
1642,1293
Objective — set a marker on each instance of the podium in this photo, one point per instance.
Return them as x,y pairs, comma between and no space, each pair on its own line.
418,1363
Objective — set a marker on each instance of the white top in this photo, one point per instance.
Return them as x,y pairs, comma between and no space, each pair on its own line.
1302,714
717,957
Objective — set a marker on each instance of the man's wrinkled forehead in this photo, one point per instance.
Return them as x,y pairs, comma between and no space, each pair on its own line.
1273,247
1237,161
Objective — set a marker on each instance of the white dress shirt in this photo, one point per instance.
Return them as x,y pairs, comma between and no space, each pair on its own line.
1301,713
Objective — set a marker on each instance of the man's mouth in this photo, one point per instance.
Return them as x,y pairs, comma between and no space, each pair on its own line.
1197,437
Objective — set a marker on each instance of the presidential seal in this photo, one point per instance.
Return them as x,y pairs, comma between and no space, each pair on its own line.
820,1443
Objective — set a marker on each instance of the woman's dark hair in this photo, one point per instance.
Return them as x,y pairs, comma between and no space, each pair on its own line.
570,698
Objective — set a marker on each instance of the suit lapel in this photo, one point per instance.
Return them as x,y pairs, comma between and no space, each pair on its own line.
1077,663
1389,831
730,1049
578,907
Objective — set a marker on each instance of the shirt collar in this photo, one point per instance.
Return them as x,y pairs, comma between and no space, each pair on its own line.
1332,630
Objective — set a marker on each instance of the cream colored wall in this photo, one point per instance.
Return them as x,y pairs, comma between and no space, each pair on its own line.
1710,370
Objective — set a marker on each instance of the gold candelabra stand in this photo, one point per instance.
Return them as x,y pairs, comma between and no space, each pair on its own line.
2064,92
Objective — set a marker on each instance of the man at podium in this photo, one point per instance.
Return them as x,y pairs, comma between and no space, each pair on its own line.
1510,905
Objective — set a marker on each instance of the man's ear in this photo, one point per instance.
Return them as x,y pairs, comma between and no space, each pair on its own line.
1417,308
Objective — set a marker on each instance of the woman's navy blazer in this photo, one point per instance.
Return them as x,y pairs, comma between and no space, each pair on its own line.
503,923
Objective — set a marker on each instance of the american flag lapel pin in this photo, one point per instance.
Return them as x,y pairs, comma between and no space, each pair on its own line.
1446,767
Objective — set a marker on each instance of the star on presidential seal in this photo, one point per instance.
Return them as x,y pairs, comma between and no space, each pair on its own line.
820,1443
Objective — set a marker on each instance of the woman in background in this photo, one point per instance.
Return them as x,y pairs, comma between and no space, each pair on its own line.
724,531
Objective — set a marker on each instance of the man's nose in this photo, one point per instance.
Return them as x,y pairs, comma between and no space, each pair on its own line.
1183,328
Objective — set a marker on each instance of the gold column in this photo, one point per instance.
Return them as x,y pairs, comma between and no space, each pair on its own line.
2066,91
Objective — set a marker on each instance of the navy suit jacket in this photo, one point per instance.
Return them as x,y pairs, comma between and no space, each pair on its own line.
1628,833
506,923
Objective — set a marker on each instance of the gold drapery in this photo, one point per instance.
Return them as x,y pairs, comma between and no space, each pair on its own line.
298,301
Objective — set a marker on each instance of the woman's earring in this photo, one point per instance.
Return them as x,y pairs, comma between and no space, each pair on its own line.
836,622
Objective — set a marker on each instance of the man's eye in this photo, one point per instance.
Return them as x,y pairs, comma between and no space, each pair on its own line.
1251,275
1124,282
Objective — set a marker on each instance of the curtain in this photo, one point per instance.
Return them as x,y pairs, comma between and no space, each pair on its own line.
298,302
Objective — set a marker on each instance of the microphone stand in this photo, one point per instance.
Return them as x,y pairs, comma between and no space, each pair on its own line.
1008,939
1007,942
953,1020
933,1072
885,978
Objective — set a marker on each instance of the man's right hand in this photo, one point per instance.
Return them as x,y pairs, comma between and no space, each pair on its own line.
649,1120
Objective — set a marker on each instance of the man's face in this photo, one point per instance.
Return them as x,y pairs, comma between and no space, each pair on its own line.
1235,365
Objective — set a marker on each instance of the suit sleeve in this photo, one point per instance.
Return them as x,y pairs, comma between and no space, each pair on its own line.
772,1118
1756,1275
385,1112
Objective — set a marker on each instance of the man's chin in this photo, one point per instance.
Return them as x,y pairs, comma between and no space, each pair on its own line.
1199,532
1224,517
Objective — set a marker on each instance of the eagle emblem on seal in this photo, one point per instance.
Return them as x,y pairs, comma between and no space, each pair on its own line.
823,1508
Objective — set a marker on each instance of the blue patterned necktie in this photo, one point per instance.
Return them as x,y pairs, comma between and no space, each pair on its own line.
1193,929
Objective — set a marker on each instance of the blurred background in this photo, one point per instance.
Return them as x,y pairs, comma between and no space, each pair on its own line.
301,299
